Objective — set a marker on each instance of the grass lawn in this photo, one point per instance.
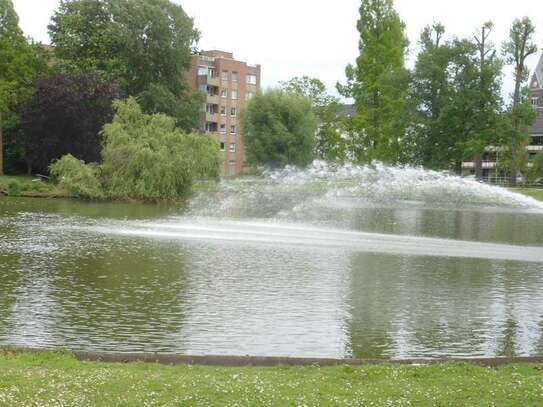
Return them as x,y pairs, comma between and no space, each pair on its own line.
56,379
29,186
533,192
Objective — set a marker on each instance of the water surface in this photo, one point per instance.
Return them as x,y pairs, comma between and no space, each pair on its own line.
300,264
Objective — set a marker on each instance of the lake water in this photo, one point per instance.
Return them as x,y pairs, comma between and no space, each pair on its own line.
294,265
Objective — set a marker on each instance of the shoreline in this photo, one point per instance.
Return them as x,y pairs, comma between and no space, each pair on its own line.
33,187
260,361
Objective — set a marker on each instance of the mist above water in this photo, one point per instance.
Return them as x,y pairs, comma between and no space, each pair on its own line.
291,191
317,208
381,183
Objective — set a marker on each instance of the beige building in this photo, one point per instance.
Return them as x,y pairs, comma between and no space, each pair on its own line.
227,84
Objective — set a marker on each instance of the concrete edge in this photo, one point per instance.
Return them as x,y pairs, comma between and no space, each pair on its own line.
262,361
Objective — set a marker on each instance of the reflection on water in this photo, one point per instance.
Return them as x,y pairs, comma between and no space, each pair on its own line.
322,276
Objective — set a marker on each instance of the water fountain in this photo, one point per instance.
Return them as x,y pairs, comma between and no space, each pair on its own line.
369,261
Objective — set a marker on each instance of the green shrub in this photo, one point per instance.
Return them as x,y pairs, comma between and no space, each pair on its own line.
144,157
14,188
77,178
147,157
36,186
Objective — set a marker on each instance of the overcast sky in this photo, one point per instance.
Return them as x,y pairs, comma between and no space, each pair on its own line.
313,37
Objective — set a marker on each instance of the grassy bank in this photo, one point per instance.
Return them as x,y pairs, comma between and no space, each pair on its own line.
29,187
535,193
59,379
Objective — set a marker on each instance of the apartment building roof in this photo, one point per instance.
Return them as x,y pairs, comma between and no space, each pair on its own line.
214,53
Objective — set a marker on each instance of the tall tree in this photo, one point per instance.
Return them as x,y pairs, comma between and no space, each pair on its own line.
489,99
378,82
516,50
329,143
279,129
20,63
474,113
429,95
65,116
455,98
144,45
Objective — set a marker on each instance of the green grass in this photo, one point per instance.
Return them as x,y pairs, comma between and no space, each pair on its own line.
29,186
533,192
55,379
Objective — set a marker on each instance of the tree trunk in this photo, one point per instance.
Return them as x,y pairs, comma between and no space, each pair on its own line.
478,161
516,125
514,171
519,70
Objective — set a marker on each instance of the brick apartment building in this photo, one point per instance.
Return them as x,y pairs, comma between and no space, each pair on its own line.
227,84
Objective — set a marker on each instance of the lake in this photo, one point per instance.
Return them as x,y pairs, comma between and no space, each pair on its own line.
285,267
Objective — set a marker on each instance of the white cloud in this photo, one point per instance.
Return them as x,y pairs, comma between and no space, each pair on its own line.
313,37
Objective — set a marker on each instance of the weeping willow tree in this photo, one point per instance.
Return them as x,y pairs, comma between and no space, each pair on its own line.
146,157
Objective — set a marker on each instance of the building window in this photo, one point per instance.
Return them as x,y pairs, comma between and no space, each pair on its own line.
535,101
222,146
249,95
225,76
202,71
233,129
210,108
211,72
224,93
234,94
251,79
234,76
211,127
212,90
233,112
223,110
232,147
223,127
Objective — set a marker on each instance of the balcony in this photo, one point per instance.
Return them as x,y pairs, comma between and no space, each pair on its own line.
209,80
488,164
210,127
212,117
212,99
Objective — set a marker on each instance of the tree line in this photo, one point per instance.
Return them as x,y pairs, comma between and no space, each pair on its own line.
59,101
447,109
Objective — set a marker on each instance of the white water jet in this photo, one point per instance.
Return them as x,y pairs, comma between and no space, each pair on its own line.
291,202
304,236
